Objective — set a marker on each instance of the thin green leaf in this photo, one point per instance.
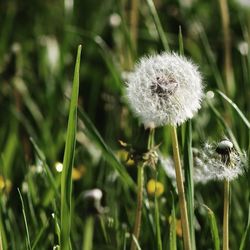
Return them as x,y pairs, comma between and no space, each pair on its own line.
172,232
213,228
25,221
88,234
181,46
68,160
246,233
189,185
225,126
188,164
41,156
108,153
158,24
39,236
242,116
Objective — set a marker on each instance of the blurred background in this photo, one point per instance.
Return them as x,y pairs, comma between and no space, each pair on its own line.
38,45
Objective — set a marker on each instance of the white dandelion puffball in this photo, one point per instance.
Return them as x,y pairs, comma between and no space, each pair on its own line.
210,165
164,89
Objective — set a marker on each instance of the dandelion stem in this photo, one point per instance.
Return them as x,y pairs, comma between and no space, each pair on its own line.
226,215
137,226
181,193
140,181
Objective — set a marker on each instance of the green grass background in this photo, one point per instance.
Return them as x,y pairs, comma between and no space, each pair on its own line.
35,99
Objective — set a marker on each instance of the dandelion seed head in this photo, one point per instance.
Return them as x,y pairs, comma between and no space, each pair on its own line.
209,164
164,89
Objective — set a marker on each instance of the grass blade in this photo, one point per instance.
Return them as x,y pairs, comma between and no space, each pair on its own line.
158,25
39,236
25,222
88,234
172,233
91,130
225,126
189,185
188,164
238,111
214,228
66,181
41,156
246,233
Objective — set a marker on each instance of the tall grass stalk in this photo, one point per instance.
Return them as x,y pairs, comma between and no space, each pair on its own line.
137,226
134,22
188,163
151,145
68,160
226,216
181,193
228,69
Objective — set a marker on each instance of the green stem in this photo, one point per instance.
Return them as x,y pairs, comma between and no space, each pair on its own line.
137,226
140,181
88,234
157,218
181,193
226,215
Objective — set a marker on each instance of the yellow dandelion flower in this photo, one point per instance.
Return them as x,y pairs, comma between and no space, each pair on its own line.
78,172
5,185
155,187
2,182
178,226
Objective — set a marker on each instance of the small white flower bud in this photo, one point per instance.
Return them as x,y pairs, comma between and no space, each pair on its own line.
164,89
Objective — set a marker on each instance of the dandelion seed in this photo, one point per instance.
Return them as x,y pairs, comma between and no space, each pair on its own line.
164,89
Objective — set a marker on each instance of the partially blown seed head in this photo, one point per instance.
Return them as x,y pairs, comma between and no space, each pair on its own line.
210,165
164,89
218,162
